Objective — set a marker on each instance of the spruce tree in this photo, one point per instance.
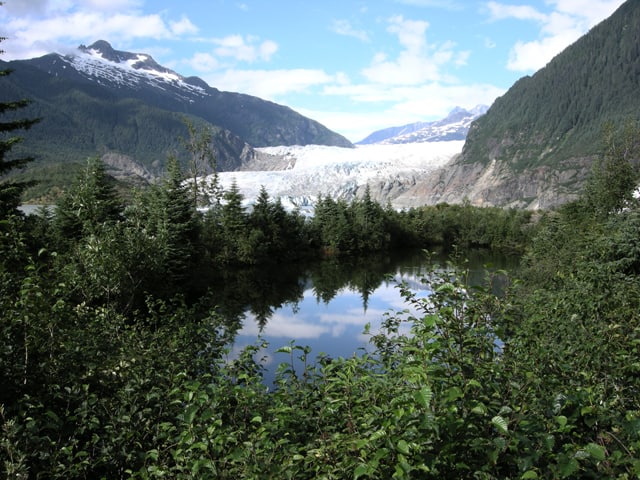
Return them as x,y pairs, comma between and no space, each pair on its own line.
90,202
11,191
614,177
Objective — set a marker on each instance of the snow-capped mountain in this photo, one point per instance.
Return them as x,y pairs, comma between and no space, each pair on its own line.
454,127
96,100
100,62
121,80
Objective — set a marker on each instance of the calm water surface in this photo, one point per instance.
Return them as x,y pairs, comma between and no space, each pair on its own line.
329,304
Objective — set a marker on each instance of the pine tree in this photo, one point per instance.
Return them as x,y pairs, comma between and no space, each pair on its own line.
234,226
10,191
613,177
90,202
176,223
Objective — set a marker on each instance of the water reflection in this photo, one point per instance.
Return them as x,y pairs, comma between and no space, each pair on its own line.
326,305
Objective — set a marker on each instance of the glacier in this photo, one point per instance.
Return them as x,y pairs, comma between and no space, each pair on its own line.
390,170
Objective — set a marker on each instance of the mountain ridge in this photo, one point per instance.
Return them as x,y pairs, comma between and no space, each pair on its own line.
453,127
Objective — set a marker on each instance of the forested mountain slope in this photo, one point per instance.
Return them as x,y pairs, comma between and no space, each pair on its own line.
535,145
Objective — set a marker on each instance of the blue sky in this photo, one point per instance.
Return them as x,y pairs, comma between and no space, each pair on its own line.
355,66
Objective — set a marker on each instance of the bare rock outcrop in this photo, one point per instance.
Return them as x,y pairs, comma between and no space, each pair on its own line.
498,184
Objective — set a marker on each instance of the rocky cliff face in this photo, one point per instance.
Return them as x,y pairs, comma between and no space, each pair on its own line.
497,184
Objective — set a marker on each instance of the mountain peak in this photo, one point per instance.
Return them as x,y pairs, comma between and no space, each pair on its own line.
103,47
138,61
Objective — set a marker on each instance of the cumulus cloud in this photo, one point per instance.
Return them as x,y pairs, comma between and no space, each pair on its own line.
26,7
111,5
383,106
37,27
269,84
563,24
244,48
418,61
204,62
183,27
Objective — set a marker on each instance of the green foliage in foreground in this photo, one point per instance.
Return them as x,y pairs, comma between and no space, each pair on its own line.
438,395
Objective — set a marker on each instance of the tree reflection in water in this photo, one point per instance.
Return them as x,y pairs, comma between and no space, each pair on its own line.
327,304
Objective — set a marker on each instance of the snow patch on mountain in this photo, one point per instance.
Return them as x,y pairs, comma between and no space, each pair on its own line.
454,126
342,173
107,66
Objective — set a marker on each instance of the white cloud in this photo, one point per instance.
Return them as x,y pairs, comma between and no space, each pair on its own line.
565,23
204,62
531,56
245,48
110,5
183,26
344,27
418,62
284,326
501,11
269,84
38,27
26,7
383,106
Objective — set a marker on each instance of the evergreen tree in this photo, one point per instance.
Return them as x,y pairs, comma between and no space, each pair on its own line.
235,244
613,178
10,191
263,227
176,223
369,223
89,204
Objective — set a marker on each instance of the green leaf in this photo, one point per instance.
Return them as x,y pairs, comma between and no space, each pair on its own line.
285,349
430,320
474,383
190,413
530,474
596,451
403,447
446,288
562,421
568,467
360,470
479,409
586,410
424,396
500,423
454,393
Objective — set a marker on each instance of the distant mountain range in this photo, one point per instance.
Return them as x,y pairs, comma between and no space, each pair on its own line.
454,126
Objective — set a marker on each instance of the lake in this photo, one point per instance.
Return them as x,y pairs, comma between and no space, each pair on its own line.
326,305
